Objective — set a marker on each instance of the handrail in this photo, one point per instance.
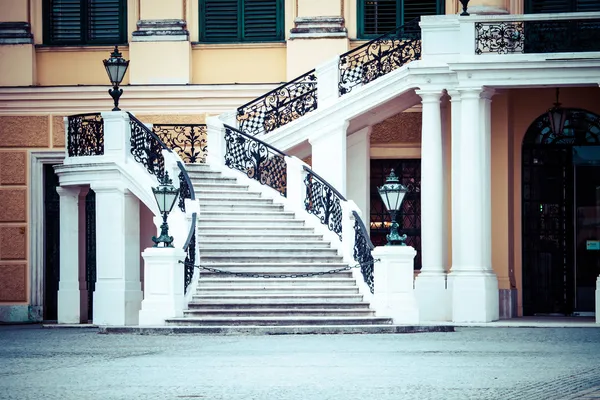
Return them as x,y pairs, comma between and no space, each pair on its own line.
323,201
190,260
362,251
186,189
379,56
310,171
85,135
280,106
187,140
255,158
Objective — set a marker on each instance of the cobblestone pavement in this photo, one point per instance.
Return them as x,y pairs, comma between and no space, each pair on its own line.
471,363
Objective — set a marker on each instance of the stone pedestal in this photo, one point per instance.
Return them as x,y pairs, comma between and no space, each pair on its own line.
394,295
163,285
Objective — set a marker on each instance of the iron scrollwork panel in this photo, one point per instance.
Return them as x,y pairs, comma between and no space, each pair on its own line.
85,135
146,148
323,201
256,159
500,37
280,106
362,251
185,191
379,57
188,141
190,260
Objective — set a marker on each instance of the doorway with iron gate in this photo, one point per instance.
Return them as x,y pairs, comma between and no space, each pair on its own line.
409,217
561,213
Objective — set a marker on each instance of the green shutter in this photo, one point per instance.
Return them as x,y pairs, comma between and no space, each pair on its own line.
219,20
261,20
379,16
548,6
587,5
104,21
65,25
415,8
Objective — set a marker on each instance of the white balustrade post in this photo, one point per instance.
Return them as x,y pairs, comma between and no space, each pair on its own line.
69,310
474,284
163,285
296,189
329,154
118,295
358,169
117,133
327,82
430,284
394,295
215,141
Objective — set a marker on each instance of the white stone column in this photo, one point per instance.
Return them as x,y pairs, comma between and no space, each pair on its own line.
329,154
430,284
358,171
394,296
118,295
474,284
215,136
163,285
486,129
69,310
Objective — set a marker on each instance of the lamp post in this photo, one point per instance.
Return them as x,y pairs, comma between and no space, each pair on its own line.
557,116
165,195
116,66
392,194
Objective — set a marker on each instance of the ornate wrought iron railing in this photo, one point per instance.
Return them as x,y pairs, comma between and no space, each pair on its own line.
146,147
186,189
187,140
380,56
362,251
555,36
280,106
85,135
190,258
323,201
256,159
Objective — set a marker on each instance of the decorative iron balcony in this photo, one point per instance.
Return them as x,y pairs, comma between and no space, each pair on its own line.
85,135
187,140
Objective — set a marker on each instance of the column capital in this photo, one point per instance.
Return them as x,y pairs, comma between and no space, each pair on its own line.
487,93
430,95
470,92
68,191
454,94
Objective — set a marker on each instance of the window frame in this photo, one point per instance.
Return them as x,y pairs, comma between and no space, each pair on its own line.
84,17
360,12
279,26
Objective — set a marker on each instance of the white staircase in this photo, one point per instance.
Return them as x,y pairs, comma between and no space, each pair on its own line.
240,231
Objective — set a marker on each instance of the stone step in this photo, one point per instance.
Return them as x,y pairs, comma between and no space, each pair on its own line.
263,259
249,214
262,282
256,229
209,244
279,321
209,251
250,222
219,187
279,312
276,298
260,273
198,167
257,290
228,195
287,305
263,205
199,179
237,202
205,236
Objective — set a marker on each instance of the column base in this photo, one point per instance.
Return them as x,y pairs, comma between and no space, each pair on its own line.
155,313
432,297
475,296
116,307
402,308
68,306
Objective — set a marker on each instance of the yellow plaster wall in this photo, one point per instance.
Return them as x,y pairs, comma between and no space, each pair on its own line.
75,65
317,8
306,54
17,63
14,10
148,68
221,63
161,9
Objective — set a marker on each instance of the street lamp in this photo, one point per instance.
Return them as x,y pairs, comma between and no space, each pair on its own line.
116,66
392,194
557,116
165,195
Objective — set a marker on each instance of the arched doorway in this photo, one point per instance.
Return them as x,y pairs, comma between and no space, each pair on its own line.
561,214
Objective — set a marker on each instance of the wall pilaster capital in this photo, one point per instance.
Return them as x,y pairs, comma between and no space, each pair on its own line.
430,95
68,191
470,93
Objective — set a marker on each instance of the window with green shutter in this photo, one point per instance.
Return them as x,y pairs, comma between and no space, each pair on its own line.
376,17
561,6
241,20
80,22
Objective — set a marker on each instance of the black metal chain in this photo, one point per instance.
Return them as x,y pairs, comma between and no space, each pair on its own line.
267,276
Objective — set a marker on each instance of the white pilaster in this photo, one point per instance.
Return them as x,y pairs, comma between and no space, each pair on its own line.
329,154
358,170
473,282
327,82
430,285
118,294
163,285
486,130
394,295
69,310
215,136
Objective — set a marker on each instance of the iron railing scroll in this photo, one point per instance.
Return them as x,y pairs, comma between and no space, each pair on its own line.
85,135
555,36
187,140
190,258
186,189
380,56
323,201
362,251
256,159
280,106
147,148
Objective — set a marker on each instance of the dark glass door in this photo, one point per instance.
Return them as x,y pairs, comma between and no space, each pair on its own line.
51,243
